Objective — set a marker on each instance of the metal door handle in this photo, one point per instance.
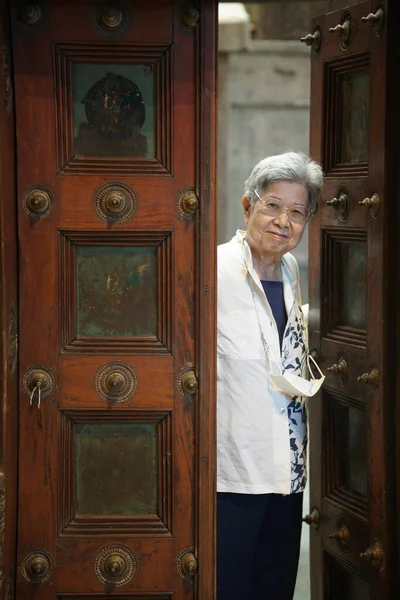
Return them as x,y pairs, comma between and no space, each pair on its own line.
314,518
38,381
372,377
37,566
375,19
342,30
373,203
313,40
375,555
341,535
341,368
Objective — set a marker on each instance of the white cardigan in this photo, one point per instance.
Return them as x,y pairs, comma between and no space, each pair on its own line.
262,432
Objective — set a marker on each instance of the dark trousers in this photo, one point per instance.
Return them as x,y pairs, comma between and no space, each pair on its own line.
258,545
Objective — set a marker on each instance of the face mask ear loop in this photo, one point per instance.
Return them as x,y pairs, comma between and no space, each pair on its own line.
309,357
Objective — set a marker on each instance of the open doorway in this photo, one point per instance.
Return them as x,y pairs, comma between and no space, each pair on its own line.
264,109
264,102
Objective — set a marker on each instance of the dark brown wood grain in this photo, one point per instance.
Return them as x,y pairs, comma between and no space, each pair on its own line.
347,409
8,314
206,295
183,62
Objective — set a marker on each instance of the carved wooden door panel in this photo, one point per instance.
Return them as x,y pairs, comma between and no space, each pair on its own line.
351,265
114,113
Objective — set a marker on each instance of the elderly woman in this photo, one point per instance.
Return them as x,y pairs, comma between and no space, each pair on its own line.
261,375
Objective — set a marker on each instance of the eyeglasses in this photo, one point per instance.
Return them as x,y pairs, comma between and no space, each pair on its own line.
297,213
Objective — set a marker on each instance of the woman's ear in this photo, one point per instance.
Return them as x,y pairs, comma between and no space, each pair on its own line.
246,203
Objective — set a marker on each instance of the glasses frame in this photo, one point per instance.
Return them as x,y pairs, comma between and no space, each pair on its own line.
285,210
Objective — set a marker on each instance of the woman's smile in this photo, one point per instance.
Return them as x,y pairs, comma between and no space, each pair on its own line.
280,236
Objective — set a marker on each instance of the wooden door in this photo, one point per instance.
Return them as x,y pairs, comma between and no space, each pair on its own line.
114,128
354,133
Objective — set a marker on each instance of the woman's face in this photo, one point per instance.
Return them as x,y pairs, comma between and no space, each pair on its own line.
274,236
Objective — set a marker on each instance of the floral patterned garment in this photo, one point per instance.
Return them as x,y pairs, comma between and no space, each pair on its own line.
295,337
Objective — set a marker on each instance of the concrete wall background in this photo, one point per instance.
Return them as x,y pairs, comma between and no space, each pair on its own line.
264,96
285,20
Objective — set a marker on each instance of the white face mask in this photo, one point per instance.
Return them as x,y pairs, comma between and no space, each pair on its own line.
299,386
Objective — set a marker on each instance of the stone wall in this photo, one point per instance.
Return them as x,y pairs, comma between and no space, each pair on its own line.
263,109
285,20
264,96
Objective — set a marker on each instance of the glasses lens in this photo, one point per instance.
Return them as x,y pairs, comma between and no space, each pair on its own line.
272,208
298,214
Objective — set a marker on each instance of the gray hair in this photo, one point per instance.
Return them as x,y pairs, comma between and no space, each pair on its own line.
294,167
